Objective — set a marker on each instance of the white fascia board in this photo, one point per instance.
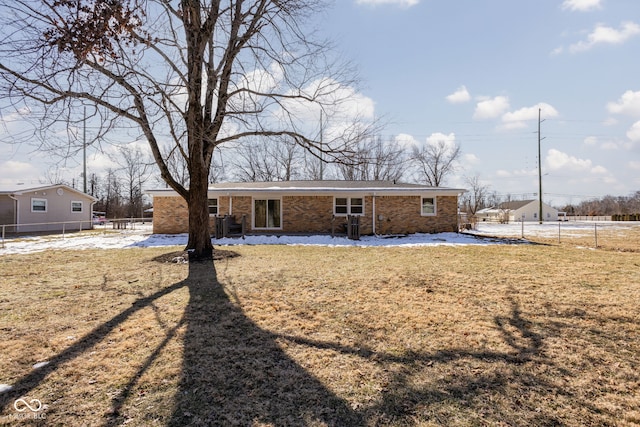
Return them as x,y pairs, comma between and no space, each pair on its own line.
324,191
23,191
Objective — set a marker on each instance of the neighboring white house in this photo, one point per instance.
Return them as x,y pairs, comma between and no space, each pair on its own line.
66,207
521,210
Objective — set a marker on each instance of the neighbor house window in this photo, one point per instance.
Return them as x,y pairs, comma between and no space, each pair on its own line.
213,206
349,206
428,206
266,213
76,207
38,205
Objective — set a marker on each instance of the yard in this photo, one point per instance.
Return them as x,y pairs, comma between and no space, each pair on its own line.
519,334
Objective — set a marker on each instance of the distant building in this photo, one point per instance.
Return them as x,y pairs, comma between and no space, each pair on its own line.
44,208
516,211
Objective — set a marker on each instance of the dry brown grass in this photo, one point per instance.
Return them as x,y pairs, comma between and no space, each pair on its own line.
496,335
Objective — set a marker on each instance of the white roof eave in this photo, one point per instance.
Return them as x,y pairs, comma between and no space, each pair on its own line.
370,191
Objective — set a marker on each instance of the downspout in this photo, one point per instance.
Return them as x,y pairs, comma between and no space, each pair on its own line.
373,204
91,214
230,203
16,212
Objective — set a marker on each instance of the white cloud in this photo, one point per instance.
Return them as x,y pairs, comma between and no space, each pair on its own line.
402,3
460,96
470,159
629,104
558,161
518,173
17,170
518,119
557,51
343,107
609,145
591,140
634,165
406,140
437,137
581,5
634,133
490,108
606,35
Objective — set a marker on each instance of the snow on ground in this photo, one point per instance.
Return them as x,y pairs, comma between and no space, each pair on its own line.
142,236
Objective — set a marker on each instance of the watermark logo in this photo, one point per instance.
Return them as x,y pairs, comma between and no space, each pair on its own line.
21,405
27,409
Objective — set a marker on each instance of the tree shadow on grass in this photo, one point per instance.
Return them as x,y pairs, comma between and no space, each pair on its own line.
234,373
460,386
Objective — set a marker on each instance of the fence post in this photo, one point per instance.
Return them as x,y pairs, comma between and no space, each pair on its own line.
596,234
559,232
3,227
522,226
63,226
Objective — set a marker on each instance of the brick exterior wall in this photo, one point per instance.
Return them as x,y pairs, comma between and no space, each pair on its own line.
402,215
313,214
170,215
307,214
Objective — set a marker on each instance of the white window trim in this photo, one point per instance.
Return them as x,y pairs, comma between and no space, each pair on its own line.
46,205
435,206
217,206
349,206
253,213
81,207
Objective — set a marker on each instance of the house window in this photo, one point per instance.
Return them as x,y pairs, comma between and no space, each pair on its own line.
213,207
266,213
348,206
76,207
428,206
38,205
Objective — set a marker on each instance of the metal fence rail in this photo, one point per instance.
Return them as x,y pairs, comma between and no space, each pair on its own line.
67,226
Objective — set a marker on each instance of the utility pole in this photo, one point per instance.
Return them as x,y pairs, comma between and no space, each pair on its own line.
84,152
539,171
321,160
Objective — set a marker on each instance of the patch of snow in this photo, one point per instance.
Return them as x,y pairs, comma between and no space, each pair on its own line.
5,387
40,365
142,237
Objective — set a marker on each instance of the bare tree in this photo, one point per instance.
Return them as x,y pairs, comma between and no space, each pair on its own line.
313,167
54,175
266,160
374,159
198,73
474,199
113,195
436,161
136,170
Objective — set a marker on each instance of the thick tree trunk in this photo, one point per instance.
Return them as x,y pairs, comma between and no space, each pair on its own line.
199,245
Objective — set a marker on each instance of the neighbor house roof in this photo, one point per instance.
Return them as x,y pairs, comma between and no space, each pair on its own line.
514,205
18,189
317,187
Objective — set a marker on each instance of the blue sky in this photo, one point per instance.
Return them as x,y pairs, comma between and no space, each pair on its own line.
476,72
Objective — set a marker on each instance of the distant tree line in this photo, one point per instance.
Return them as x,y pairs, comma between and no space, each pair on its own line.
373,158
607,205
